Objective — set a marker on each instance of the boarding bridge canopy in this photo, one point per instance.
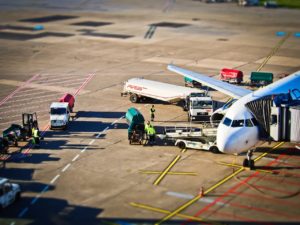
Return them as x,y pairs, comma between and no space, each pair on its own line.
261,110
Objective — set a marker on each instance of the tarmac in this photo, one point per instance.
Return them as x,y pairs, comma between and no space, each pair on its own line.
89,174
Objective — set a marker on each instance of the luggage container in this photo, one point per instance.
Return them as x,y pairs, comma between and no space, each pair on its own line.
69,99
231,75
136,129
261,78
188,82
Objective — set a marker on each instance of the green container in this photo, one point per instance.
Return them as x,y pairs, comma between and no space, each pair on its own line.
261,78
133,118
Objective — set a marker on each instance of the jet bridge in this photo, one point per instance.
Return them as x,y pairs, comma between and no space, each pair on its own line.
278,117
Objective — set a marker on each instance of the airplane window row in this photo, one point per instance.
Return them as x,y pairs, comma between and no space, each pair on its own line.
240,123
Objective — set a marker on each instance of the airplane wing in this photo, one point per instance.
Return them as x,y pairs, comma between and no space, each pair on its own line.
226,88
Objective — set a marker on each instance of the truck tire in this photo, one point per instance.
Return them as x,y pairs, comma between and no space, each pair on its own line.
214,149
181,145
134,98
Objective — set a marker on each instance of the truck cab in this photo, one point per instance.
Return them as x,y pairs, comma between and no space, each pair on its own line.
59,115
200,106
9,192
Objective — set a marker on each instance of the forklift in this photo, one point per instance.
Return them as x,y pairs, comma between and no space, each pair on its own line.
29,121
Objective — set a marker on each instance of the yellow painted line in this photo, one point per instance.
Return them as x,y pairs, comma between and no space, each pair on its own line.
274,50
246,168
142,206
187,204
266,153
164,173
169,173
198,197
183,150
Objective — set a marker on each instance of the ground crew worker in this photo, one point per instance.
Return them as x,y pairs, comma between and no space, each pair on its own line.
36,137
151,135
152,111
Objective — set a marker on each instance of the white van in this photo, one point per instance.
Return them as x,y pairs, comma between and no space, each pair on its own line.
59,115
9,192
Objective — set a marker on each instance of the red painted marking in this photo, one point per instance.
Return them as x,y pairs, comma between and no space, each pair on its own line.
272,189
230,191
259,210
18,89
270,199
231,215
285,181
48,125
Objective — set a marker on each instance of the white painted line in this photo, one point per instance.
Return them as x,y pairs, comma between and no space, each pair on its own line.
188,196
66,167
99,134
105,129
34,200
114,122
92,141
146,104
83,150
23,212
45,189
54,179
76,157
13,223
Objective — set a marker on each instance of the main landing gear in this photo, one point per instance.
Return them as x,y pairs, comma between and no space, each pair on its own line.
249,162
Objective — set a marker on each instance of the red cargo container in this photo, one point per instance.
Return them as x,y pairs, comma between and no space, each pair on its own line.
231,75
70,99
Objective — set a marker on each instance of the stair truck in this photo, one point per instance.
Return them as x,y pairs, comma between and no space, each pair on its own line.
196,102
136,123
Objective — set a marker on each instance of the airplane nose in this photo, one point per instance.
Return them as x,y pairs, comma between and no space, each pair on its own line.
229,141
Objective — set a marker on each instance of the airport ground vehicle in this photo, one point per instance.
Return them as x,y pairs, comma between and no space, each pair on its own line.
196,102
29,121
13,134
261,78
9,192
199,106
174,133
59,115
248,2
231,75
188,82
198,143
69,99
136,129
4,146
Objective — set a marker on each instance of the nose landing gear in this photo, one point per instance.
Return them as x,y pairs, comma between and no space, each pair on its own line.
249,162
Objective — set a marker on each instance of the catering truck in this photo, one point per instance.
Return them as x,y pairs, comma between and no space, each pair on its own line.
196,102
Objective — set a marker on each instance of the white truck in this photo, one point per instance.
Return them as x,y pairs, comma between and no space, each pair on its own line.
9,192
59,115
196,102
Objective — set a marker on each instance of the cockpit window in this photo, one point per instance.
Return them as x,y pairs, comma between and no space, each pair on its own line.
238,123
227,122
254,121
248,123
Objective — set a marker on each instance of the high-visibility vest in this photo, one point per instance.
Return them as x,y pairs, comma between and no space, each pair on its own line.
151,130
36,133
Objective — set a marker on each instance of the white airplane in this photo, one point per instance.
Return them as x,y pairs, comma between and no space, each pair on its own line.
238,131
